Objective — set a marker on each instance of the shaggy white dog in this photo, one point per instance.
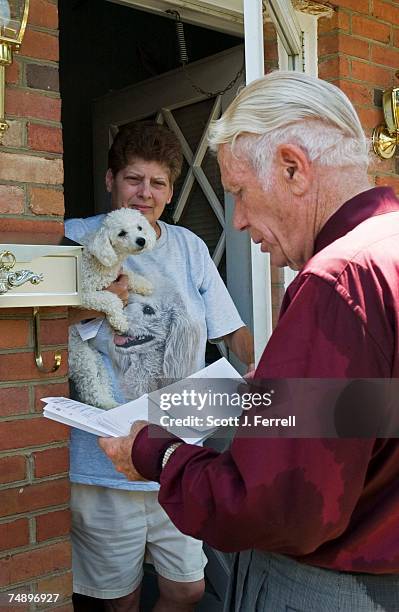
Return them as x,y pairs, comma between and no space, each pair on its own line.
161,343
123,232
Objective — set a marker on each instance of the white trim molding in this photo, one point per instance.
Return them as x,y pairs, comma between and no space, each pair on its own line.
307,22
223,15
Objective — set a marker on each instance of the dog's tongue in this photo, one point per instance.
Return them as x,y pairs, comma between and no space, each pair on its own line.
120,340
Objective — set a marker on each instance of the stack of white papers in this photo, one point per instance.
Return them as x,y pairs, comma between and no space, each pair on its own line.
117,421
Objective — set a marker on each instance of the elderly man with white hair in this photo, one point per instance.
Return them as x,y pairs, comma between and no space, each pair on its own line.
318,518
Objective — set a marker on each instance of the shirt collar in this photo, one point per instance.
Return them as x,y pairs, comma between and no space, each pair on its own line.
370,203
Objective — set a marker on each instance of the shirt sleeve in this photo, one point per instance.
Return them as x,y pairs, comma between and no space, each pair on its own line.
284,495
221,315
75,229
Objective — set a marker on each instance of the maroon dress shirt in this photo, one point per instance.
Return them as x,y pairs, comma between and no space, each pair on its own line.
330,502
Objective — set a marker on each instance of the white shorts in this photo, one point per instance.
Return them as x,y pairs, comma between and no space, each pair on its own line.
114,531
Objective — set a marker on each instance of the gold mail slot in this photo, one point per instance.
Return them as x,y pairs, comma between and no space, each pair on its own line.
39,274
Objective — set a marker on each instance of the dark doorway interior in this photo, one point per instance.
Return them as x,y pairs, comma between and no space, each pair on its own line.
105,47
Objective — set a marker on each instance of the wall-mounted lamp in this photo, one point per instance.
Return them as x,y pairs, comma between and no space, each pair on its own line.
386,137
13,18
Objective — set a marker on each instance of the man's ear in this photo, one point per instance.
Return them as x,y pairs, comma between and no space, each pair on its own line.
295,168
109,180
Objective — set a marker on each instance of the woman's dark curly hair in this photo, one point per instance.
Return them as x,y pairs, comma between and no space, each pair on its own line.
148,141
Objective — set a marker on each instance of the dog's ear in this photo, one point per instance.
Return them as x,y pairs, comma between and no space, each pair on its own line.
181,345
100,246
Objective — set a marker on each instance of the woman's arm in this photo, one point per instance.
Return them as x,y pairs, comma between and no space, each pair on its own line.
119,287
241,342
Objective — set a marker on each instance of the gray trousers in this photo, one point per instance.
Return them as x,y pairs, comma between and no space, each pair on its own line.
264,582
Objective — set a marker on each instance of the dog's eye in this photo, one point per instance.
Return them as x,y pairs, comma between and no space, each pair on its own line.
122,233
148,310
139,228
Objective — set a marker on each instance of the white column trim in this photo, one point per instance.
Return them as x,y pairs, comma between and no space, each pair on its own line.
308,25
260,263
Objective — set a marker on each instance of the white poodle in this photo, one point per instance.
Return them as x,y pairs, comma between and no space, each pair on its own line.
123,232
161,343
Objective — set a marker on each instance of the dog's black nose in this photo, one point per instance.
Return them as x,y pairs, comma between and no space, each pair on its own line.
140,242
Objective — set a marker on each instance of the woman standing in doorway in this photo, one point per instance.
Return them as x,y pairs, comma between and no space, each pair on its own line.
117,524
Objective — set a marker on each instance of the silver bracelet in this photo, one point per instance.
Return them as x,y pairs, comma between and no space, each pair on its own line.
169,452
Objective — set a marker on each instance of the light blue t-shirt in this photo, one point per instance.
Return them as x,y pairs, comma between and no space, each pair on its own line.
167,334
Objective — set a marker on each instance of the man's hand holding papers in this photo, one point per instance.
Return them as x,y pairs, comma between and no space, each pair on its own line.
119,451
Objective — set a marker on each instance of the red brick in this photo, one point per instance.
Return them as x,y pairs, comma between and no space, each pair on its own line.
12,469
370,117
44,138
334,67
34,497
31,432
25,103
14,400
385,56
21,606
336,42
47,202
13,72
354,46
27,225
271,53
51,461
339,21
22,366
50,390
54,331
356,92
11,199
14,135
31,169
14,333
360,6
53,525
40,45
384,11
56,584
14,534
43,14
369,28
42,77
32,563
328,44
396,37
277,297
269,31
390,181
368,73
58,310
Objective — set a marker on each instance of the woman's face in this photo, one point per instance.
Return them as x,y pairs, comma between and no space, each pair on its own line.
142,185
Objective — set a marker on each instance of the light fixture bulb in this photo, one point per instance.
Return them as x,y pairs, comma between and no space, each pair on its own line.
5,14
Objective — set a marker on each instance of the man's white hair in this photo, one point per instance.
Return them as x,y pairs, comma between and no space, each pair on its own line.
292,107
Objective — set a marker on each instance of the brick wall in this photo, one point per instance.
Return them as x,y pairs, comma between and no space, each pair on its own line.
35,554
359,52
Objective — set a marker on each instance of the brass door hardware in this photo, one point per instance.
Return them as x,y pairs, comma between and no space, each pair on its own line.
386,136
9,279
38,350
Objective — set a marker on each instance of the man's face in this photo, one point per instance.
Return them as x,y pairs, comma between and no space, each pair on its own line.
267,213
143,186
